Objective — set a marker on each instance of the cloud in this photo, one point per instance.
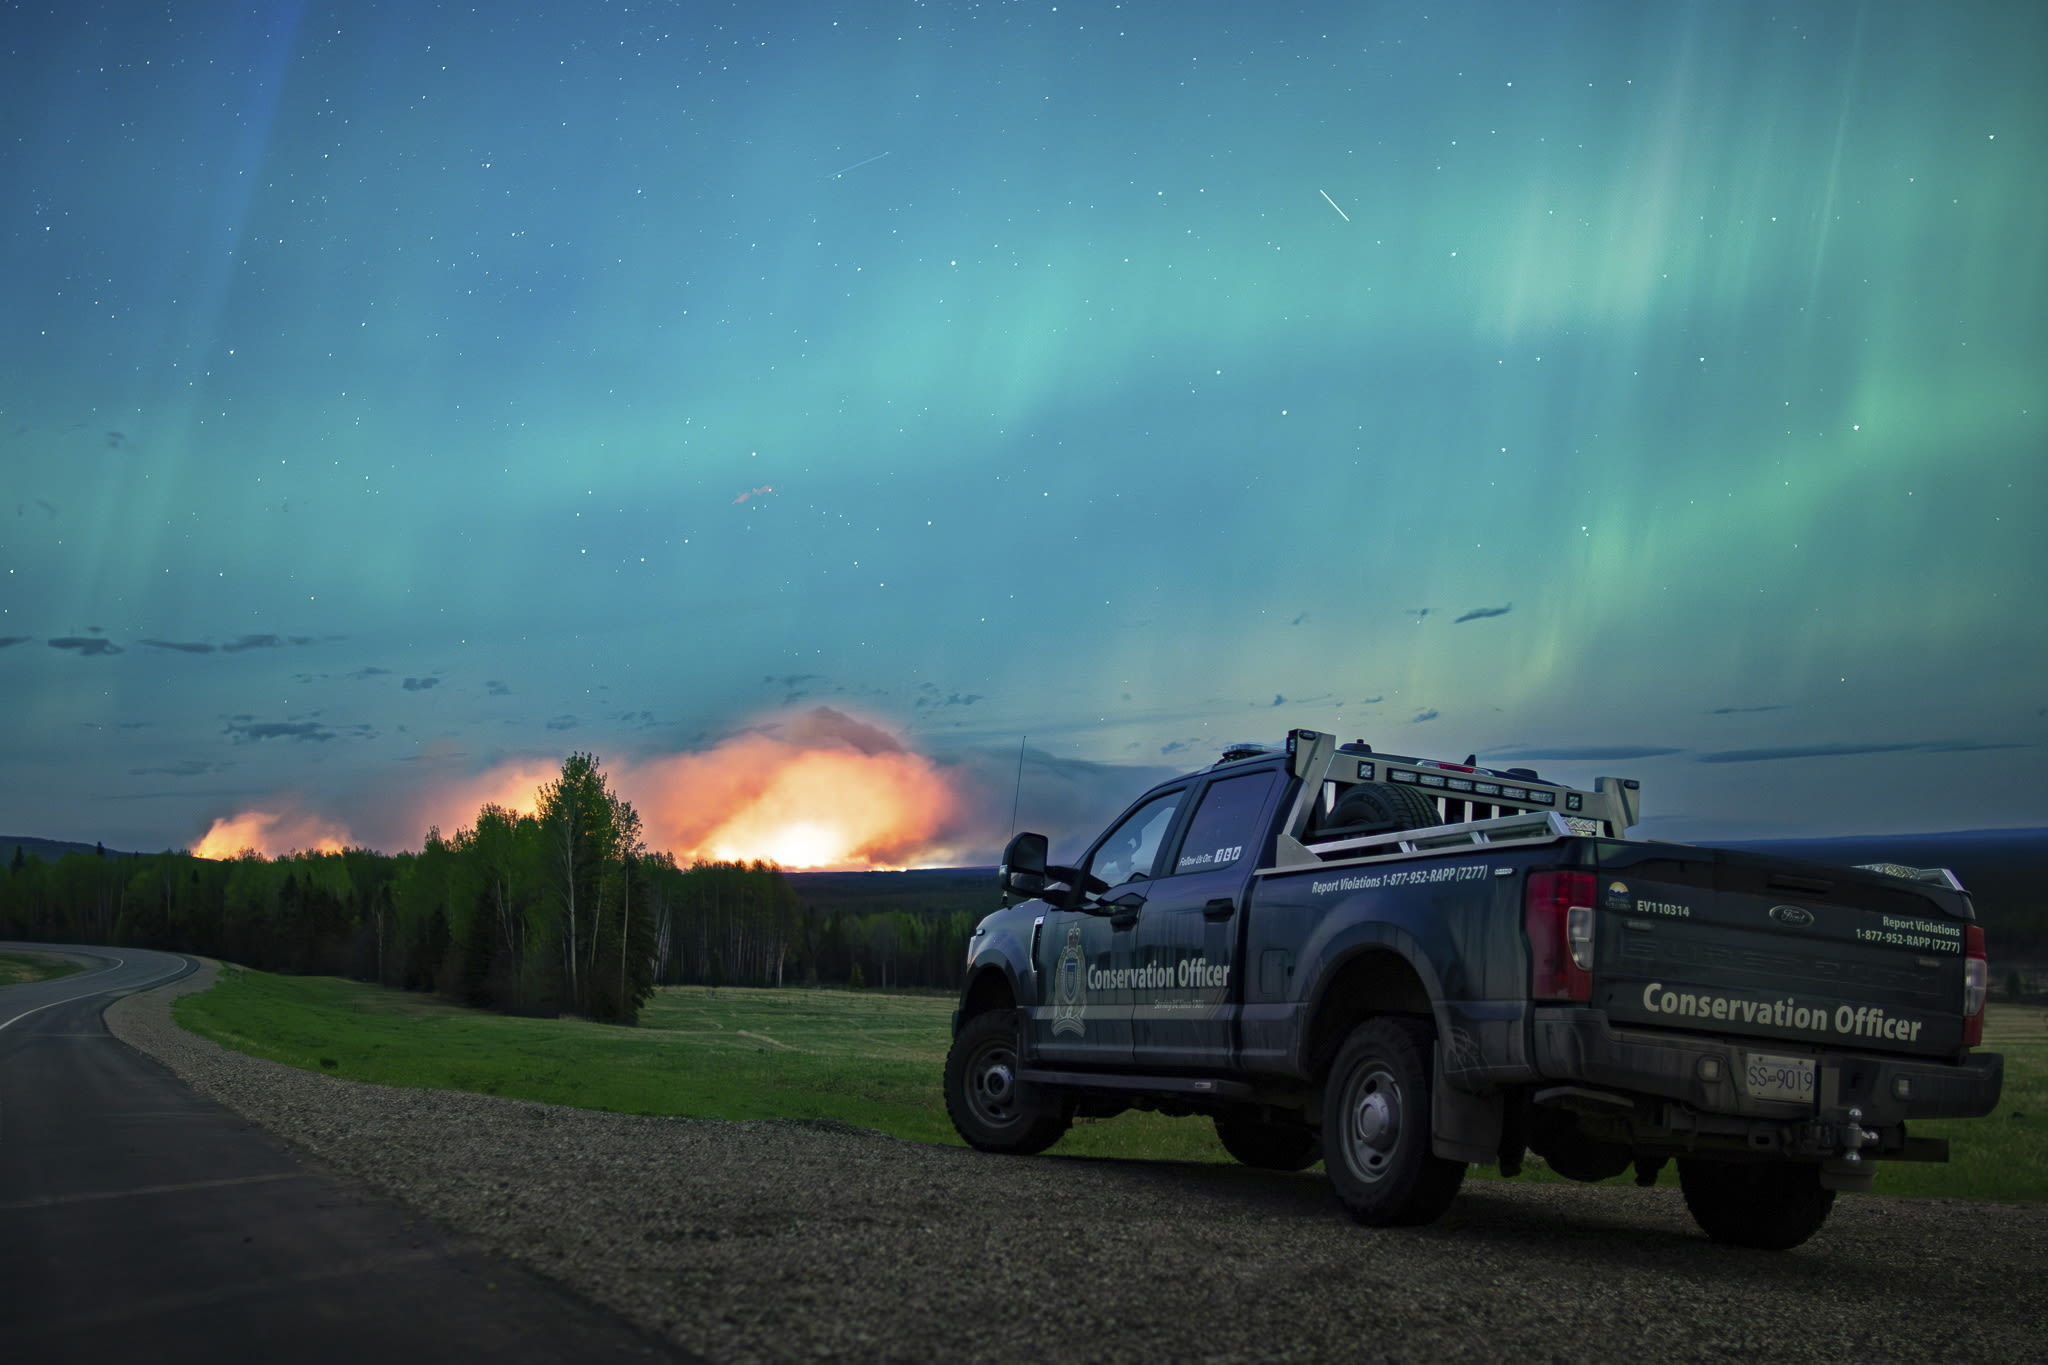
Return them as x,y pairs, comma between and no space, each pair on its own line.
369,672
1741,710
1419,612
1420,716
951,699
6,640
86,644
1609,753
1372,701
1298,619
420,684
497,689
561,722
753,493
1278,700
1804,751
184,646
190,767
1481,613
248,730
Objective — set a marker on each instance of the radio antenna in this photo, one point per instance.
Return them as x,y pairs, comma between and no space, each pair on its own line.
1018,795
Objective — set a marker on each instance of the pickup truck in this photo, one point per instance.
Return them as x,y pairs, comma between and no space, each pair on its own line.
1403,967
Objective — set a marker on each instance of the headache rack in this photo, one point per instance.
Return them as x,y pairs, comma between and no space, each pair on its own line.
1480,807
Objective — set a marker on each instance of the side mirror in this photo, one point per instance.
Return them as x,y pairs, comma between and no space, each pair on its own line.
1023,871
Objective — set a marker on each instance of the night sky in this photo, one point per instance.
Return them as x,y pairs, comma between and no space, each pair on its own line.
394,398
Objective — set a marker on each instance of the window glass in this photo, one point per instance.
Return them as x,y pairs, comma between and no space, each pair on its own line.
1133,846
1226,825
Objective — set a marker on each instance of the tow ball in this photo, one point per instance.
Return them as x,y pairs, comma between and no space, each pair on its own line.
1854,1137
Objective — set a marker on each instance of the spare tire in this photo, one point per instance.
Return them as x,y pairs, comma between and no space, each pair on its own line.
1378,808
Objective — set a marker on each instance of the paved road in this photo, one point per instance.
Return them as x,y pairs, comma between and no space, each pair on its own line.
141,1221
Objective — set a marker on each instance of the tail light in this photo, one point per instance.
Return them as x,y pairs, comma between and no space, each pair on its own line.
1557,913
1976,985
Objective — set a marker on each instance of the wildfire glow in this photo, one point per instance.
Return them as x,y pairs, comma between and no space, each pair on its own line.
820,790
271,834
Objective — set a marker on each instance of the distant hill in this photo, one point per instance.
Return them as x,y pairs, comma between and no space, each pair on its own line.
49,850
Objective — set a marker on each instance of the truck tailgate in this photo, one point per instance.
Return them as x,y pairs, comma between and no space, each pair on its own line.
1718,941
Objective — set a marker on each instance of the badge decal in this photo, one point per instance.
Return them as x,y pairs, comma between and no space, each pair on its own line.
1067,988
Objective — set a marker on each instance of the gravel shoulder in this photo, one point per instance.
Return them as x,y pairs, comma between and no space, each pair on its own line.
781,1241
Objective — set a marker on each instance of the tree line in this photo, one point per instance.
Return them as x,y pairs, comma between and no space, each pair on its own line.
562,911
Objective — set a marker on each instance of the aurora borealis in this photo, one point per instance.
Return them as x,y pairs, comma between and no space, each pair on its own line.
392,393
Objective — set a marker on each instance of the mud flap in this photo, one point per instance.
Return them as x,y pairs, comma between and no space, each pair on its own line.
1463,1126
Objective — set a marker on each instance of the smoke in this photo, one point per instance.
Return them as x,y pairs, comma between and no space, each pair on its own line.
272,834
820,789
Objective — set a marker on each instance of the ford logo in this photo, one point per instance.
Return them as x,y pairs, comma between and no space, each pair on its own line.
1792,915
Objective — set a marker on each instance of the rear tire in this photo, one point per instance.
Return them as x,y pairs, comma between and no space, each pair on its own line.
1377,1145
1772,1206
990,1108
1269,1146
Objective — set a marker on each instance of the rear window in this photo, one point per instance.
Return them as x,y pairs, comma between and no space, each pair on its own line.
1225,827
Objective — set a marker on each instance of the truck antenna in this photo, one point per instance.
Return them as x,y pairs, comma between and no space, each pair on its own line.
1018,795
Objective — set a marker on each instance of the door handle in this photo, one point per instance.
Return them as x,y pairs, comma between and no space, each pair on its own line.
1221,908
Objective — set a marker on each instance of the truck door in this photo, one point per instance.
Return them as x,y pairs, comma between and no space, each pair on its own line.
1085,959
1185,1011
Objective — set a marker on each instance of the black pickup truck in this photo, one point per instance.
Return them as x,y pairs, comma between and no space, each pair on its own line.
1402,967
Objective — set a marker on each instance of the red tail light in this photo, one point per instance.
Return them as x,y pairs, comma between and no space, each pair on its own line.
1976,985
1557,913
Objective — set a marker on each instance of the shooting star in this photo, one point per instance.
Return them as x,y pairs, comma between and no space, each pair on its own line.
855,166
1326,199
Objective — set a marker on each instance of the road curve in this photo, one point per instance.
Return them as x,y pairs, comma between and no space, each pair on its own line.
141,1221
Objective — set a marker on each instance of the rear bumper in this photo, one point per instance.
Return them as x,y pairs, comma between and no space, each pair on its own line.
1579,1047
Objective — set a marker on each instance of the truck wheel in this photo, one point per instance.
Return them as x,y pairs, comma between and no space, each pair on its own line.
1773,1206
1376,1126
1269,1146
1380,808
990,1108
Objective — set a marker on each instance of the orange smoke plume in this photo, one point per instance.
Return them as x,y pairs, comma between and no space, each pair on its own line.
796,804
270,834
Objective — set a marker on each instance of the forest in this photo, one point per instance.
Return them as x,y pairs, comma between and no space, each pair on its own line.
565,911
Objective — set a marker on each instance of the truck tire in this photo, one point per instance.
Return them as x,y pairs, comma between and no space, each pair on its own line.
990,1108
1376,1126
1379,808
1269,1146
1772,1206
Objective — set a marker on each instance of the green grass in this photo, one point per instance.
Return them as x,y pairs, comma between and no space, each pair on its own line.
860,1057
19,969
875,1060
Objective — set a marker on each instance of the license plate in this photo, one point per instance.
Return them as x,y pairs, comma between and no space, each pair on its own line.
1768,1077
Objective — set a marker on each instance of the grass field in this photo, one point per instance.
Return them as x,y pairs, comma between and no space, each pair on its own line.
875,1060
18,969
